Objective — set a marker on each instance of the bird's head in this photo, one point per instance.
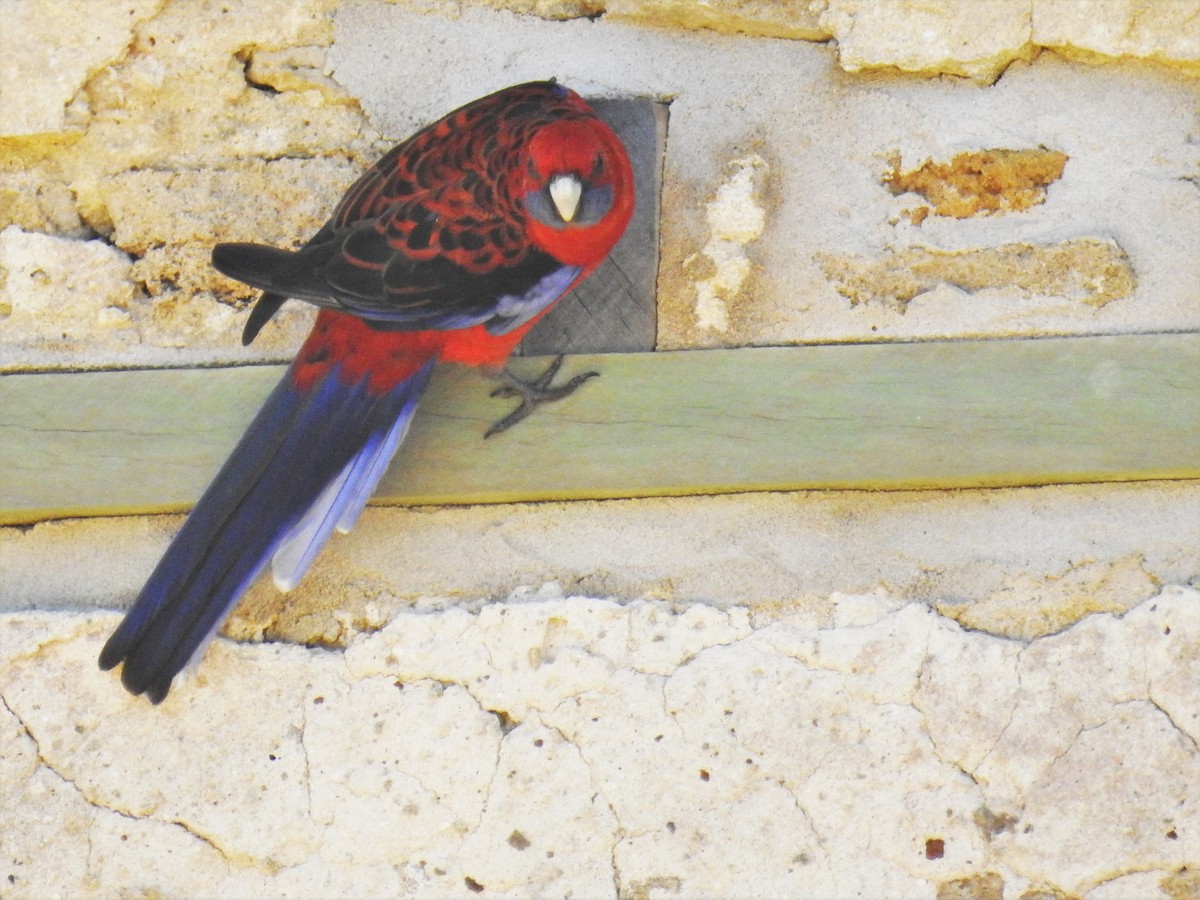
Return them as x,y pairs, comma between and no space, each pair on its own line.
577,190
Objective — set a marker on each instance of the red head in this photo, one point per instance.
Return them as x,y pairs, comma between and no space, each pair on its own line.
577,188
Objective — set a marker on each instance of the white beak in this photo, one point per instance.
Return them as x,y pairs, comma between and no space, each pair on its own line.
565,191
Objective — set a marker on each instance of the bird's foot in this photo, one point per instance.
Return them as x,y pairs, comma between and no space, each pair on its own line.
533,393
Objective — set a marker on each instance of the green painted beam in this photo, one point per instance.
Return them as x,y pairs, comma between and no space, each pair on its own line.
882,416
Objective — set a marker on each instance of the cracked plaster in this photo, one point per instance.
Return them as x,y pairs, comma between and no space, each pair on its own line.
554,744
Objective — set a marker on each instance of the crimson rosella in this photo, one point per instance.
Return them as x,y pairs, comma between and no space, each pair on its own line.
447,250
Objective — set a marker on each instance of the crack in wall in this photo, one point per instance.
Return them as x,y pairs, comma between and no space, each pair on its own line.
1134,686
597,791
93,803
822,846
191,831
308,776
1182,732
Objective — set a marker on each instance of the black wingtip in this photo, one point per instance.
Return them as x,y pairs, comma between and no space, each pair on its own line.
253,264
265,307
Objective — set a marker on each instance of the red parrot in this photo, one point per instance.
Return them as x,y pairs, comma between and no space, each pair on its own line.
447,250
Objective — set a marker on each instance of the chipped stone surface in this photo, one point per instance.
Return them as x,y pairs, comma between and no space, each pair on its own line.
979,183
36,200
793,19
1161,30
735,220
548,744
1027,606
1084,270
48,51
957,37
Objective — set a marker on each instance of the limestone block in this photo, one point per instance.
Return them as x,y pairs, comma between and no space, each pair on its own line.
49,51
956,37
792,19
537,827
200,124
525,748
192,92
57,291
1166,31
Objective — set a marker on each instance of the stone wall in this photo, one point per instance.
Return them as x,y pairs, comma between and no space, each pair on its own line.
954,694
1006,190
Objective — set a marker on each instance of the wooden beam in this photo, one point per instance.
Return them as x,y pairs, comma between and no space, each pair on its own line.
883,416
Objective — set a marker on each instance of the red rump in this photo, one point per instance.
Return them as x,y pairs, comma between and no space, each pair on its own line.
390,357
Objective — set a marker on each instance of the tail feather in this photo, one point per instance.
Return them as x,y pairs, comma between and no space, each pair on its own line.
341,503
308,462
300,546
362,484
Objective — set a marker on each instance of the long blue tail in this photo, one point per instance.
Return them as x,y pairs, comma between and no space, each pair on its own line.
307,464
